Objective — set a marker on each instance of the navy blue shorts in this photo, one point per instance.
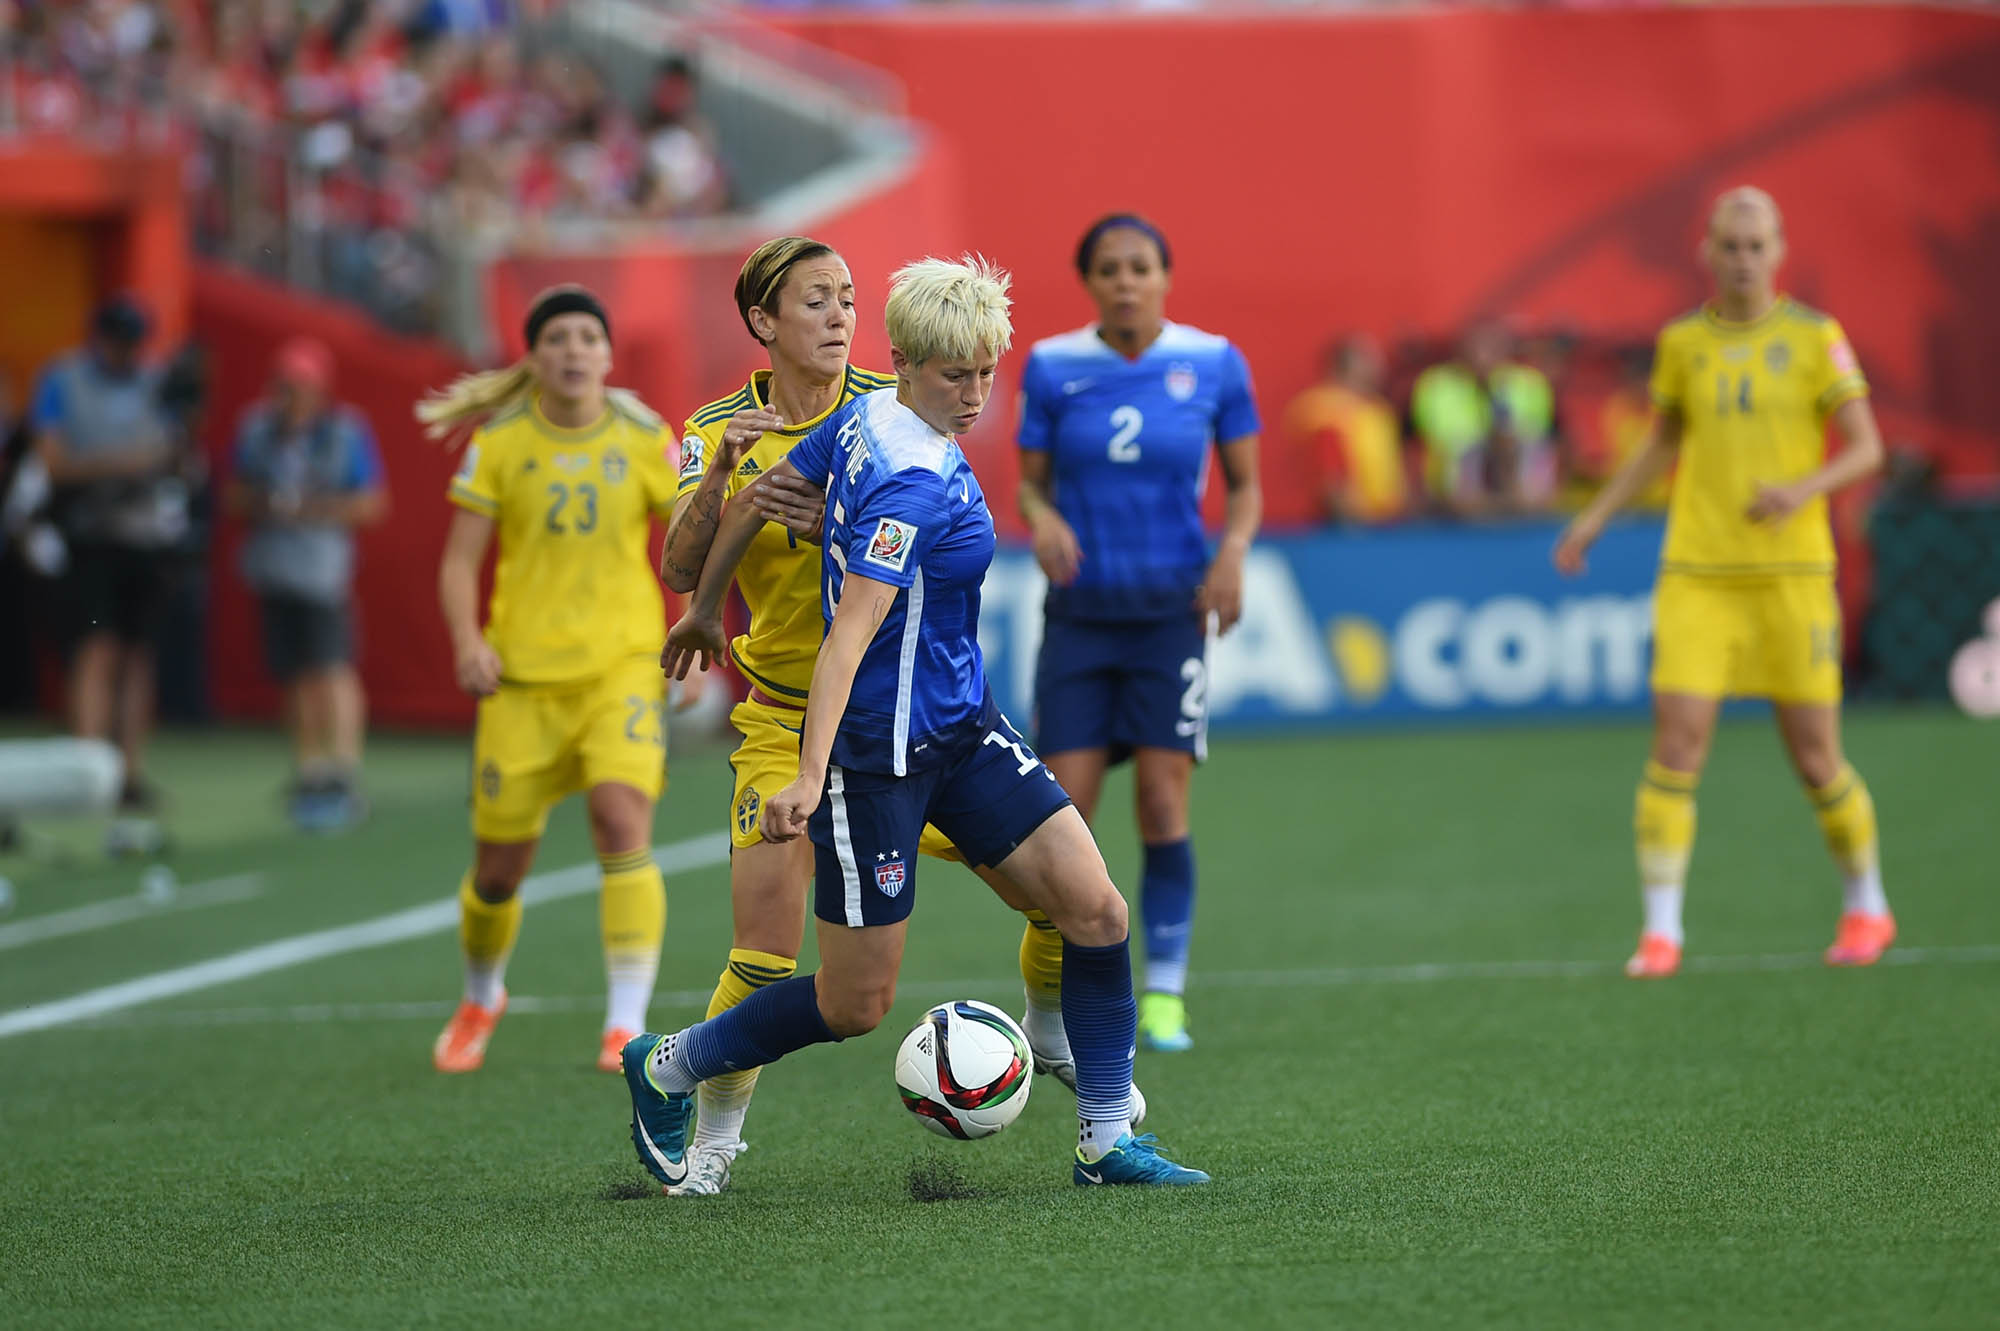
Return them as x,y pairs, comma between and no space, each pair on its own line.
1123,686
988,799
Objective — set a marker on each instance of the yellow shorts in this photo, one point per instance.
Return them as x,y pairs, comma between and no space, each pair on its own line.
767,760
1776,638
537,743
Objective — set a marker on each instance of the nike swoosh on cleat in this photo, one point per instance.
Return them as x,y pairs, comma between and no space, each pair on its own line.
1094,1178
660,1157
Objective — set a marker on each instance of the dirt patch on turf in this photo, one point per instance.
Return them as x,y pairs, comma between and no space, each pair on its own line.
936,1179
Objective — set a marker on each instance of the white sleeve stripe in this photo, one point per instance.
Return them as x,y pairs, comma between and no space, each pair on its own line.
843,846
906,669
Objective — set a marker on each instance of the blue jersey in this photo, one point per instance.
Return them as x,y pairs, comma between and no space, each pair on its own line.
1129,442
903,507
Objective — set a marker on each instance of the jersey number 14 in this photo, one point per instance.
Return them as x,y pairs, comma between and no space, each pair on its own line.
1741,396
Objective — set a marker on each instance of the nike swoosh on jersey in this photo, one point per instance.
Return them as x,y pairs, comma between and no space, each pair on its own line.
1077,385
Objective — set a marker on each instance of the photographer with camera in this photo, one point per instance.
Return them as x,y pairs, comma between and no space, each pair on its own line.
117,464
306,474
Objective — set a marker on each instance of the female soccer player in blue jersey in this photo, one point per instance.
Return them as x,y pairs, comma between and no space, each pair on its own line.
900,730
1117,419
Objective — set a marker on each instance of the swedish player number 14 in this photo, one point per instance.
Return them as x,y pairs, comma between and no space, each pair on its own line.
1723,395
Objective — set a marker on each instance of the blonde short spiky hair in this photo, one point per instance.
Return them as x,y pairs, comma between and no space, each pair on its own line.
939,308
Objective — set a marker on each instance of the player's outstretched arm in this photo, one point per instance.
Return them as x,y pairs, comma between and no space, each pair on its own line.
864,604
692,529
698,633
1663,437
1860,455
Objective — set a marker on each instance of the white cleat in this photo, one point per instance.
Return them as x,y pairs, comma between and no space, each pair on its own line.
708,1169
1064,1071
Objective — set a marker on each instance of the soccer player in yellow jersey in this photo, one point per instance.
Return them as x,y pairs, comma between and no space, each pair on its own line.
568,475
1743,391
796,297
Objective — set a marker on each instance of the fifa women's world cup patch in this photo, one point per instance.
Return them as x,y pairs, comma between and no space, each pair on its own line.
1841,355
691,455
891,544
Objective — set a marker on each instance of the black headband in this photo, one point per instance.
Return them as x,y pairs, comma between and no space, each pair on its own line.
1088,245
567,301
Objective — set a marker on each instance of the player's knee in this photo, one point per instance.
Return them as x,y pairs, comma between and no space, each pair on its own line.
1818,763
1097,919
854,1007
494,887
619,824
1162,813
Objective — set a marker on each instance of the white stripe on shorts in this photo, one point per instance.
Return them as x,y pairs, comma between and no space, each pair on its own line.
1207,680
906,665
843,846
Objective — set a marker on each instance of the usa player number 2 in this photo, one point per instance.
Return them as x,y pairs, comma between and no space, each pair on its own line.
1126,422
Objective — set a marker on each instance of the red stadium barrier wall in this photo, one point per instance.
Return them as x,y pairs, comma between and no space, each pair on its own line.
1406,173
76,224
405,655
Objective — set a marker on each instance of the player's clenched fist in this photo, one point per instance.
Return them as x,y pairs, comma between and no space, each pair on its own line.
786,812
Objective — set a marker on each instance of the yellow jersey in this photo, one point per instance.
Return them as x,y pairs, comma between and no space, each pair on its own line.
574,591
1353,438
1753,400
779,575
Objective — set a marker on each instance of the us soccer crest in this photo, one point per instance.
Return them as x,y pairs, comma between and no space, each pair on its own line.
891,877
746,811
891,544
614,465
1181,381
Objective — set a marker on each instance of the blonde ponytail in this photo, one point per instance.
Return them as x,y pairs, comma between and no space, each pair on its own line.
471,398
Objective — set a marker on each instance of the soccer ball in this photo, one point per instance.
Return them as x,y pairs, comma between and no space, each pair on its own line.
964,1070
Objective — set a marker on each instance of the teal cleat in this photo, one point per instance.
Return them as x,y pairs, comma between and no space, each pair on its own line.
1134,1160
659,1118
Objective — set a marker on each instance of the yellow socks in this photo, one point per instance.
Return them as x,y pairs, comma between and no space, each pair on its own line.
486,934
1847,820
1041,977
1663,826
722,1102
632,910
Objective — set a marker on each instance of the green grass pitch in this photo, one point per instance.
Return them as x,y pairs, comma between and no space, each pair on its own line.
1427,1097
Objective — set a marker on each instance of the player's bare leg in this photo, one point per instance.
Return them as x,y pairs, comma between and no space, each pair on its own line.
489,921
1664,824
632,911
1846,811
1080,772
1161,780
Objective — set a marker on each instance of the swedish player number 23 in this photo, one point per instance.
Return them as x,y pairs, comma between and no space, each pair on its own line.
559,497
637,710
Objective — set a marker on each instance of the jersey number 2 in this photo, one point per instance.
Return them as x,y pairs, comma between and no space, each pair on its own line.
1126,422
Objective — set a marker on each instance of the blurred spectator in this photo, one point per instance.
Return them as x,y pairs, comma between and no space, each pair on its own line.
1350,438
1486,425
114,457
1621,428
306,474
683,173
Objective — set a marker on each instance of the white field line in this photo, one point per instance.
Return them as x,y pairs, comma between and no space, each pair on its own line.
1430,973
435,917
119,910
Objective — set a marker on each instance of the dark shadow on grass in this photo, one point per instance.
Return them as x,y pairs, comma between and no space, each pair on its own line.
936,1179
629,1190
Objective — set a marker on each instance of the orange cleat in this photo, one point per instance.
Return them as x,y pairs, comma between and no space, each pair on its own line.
461,1045
1861,939
611,1053
1658,957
